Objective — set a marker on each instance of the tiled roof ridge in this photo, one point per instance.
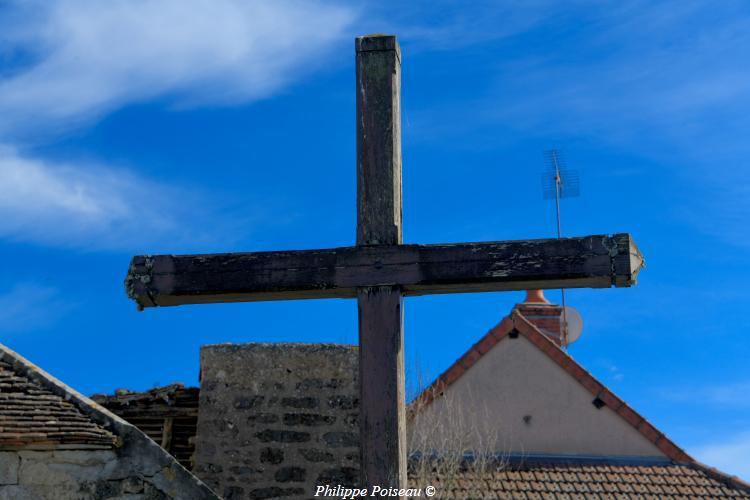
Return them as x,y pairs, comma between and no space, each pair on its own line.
96,413
547,459
518,324
664,481
723,477
34,415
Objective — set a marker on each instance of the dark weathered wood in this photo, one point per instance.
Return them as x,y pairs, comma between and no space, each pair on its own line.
592,261
381,375
166,433
381,336
378,141
156,413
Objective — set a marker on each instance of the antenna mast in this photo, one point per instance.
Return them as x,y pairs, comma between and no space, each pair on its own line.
560,182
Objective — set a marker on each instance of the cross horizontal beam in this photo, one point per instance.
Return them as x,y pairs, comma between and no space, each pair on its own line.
592,261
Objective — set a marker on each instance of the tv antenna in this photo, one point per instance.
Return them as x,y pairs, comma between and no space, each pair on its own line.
560,182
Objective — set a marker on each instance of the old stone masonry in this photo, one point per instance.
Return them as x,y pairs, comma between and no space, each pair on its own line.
276,420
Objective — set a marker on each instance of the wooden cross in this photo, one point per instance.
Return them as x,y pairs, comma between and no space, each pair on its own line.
380,269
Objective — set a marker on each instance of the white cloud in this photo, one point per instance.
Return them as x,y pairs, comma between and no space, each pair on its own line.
98,207
86,57
443,25
66,62
28,306
731,456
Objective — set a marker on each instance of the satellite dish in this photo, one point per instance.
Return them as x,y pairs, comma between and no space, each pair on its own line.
575,324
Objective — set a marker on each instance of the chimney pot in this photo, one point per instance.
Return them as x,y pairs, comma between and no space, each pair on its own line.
535,297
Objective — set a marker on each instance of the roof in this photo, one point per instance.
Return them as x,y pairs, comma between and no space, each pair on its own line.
517,324
31,415
561,478
168,415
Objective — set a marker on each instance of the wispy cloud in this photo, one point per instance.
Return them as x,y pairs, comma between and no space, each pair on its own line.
731,456
28,306
75,60
96,207
444,25
664,84
613,372
640,67
64,63
723,396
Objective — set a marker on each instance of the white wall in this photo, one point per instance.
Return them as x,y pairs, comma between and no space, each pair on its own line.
516,380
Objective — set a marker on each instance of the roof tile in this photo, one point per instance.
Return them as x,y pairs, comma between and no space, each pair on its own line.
583,479
32,415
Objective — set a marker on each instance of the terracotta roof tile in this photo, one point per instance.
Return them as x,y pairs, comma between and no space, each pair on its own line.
32,415
570,478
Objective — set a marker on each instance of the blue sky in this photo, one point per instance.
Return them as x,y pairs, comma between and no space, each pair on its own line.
130,127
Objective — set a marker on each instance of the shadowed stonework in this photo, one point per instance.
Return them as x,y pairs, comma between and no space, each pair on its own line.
275,420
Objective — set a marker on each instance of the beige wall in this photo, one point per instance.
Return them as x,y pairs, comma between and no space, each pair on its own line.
516,380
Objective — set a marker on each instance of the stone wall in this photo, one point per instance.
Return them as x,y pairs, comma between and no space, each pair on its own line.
87,475
275,420
138,469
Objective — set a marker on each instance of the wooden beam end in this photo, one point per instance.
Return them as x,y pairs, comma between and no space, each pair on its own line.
138,279
627,260
377,42
637,261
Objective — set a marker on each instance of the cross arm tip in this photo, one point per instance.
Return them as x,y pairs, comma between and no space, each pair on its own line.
627,260
637,260
138,279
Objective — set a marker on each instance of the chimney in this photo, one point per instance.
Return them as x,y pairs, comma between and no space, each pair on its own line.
545,316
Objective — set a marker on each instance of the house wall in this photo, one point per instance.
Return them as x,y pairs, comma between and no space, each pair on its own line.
132,473
276,420
517,400
68,474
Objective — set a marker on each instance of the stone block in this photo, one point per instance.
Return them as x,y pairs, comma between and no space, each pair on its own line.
15,492
290,474
281,436
9,463
308,419
341,439
313,455
271,455
345,476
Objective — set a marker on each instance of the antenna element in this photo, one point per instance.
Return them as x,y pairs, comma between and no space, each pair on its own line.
560,182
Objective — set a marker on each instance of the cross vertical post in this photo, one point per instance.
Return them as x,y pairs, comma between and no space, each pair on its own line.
381,341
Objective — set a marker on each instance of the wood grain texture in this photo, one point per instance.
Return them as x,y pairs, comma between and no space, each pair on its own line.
166,433
592,261
378,141
383,459
382,381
